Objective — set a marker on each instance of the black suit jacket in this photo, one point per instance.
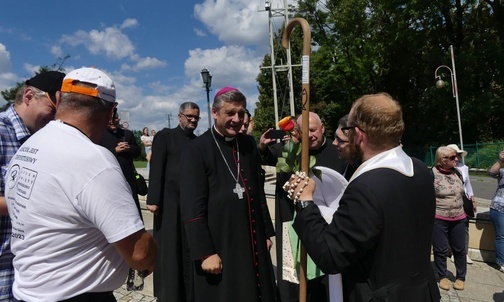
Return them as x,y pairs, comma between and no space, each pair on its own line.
379,238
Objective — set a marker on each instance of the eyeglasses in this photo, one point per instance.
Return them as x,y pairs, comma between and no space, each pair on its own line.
340,141
453,157
192,117
352,128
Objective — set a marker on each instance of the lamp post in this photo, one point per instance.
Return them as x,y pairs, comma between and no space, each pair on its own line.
207,83
168,118
440,84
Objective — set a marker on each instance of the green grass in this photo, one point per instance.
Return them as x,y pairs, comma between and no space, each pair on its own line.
140,163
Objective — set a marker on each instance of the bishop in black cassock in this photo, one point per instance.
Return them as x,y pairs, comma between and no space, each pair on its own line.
225,213
173,273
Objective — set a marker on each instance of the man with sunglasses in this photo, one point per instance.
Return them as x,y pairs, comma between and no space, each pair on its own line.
33,108
173,274
380,235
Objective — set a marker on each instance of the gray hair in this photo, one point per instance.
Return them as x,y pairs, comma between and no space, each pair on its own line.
232,96
20,93
442,152
90,107
188,105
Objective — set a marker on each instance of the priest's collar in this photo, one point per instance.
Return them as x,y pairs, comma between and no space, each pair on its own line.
394,159
220,136
185,130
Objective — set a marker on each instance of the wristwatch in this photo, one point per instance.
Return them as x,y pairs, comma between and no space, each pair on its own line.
301,204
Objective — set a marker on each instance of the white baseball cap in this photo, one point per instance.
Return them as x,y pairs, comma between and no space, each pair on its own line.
456,148
103,88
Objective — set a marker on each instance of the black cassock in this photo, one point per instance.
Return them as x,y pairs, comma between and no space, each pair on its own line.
173,273
110,140
379,238
217,221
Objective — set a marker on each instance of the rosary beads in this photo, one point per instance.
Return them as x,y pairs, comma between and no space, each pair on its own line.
290,187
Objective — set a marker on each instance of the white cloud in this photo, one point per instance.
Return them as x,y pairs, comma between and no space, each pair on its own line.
56,51
110,41
234,21
7,78
148,63
199,32
230,65
129,23
5,63
31,69
113,43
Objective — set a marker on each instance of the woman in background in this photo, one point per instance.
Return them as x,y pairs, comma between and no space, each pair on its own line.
497,210
147,142
449,222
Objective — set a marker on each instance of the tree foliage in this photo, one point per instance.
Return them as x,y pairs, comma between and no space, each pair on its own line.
394,46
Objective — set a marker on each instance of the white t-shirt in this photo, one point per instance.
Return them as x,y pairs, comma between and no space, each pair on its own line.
146,139
68,201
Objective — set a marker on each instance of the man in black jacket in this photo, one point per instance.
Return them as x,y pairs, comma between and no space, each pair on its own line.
122,143
380,236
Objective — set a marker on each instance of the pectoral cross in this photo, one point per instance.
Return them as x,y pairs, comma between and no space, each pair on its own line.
238,190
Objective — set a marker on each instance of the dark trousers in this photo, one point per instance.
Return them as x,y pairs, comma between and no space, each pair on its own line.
89,297
452,233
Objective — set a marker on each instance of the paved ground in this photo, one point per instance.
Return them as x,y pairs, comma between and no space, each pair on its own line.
484,282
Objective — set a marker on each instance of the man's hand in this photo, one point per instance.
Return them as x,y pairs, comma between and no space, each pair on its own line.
122,147
3,207
264,141
304,185
269,244
212,264
153,208
475,207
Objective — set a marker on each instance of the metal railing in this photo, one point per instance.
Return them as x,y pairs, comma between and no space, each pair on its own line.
479,155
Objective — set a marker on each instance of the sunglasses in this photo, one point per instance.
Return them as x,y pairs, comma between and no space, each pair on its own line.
453,157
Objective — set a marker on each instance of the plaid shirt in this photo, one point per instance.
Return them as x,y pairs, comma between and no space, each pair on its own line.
12,134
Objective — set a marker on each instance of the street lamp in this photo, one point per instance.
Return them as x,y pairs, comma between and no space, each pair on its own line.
440,84
207,83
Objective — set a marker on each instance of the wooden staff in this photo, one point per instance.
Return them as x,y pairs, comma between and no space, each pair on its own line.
305,109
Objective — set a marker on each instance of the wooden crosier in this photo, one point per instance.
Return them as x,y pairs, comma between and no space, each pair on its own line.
305,109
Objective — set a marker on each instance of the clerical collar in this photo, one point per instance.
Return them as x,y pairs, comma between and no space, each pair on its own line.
227,139
186,130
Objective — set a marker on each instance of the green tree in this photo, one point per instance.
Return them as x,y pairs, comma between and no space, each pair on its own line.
369,46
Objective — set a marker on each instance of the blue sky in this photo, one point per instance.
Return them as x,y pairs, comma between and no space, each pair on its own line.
153,50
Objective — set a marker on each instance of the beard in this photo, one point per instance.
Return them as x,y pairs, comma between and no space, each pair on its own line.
355,151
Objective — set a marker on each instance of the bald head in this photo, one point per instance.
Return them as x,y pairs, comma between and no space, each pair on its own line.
316,130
